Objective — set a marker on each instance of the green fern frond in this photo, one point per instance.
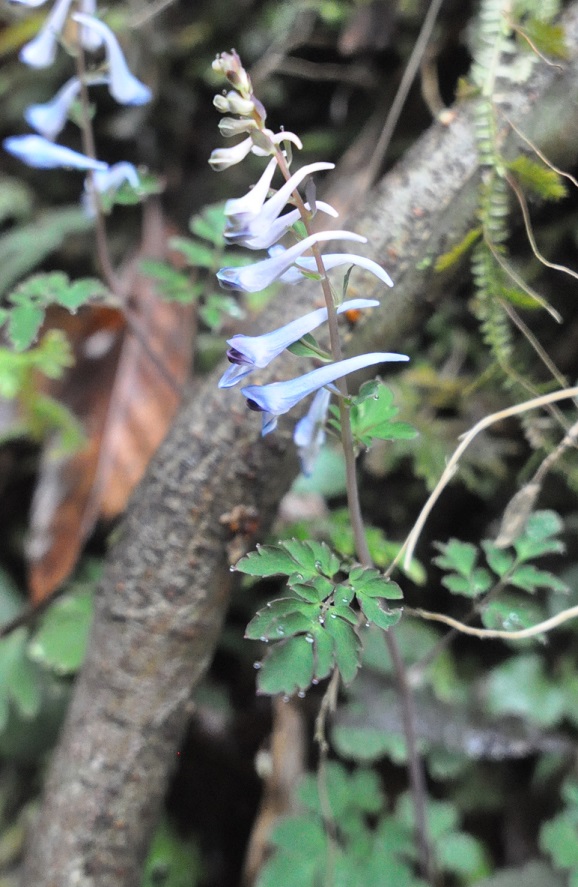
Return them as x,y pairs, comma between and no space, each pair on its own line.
494,323
494,208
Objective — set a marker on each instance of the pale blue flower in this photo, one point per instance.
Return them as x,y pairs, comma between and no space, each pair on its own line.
223,158
255,277
254,223
308,265
41,153
247,353
250,204
123,86
279,397
49,118
107,180
40,52
309,432
31,3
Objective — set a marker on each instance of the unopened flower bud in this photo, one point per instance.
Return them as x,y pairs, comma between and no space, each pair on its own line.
229,64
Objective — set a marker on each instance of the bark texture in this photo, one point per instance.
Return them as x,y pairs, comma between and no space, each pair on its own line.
166,585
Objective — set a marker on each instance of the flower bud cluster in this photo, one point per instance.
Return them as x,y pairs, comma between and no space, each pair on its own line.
257,221
48,119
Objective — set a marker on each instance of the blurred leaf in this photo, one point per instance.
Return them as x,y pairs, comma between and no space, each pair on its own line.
196,254
536,177
60,642
23,248
511,612
173,861
447,260
18,678
521,687
210,224
545,37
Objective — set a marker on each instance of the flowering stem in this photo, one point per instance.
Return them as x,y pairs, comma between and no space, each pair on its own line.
89,147
102,249
415,768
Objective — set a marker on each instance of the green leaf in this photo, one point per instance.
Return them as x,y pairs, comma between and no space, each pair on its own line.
547,38
171,285
477,583
511,612
535,176
19,681
356,792
317,589
372,583
362,744
300,854
559,839
31,298
461,557
61,639
536,539
376,614
520,687
322,652
24,322
25,247
282,618
446,260
197,254
287,668
347,646
371,418
268,560
313,557
499,559
307,346
463,855
530,578
210,224
173,861
458,556
80,292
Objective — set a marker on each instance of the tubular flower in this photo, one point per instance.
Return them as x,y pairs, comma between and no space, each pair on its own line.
41,153
109,179
254,223
306,265
40,52
49,118
255,277
279,397
309,432
223,158
247,353
261,142
123,86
